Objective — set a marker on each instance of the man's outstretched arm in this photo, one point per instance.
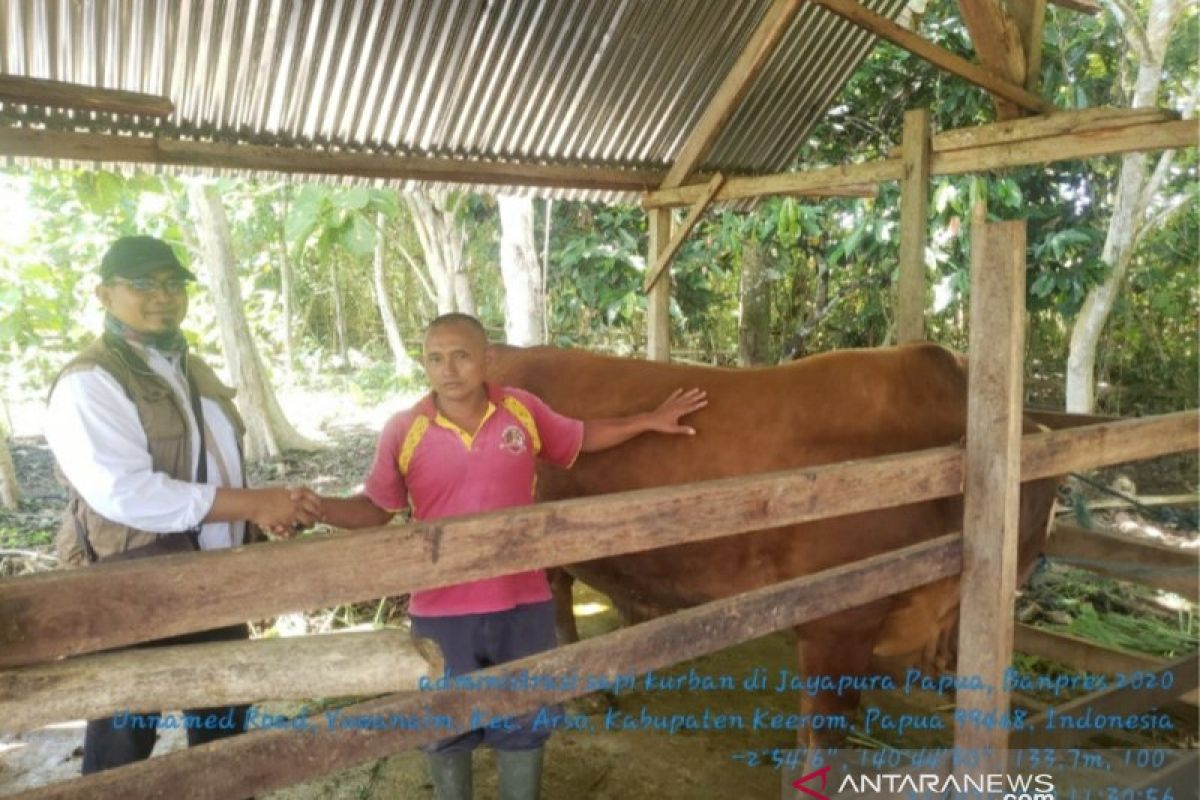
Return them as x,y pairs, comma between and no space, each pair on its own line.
601,434
354,512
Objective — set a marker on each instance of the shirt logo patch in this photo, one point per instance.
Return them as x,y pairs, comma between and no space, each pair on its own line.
513,440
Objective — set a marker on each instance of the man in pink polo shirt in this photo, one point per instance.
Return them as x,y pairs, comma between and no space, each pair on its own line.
470,447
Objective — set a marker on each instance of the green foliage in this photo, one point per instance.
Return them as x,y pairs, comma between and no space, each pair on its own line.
830,264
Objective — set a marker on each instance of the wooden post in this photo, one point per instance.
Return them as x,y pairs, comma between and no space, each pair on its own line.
914,227
991,479
658,299
1030,17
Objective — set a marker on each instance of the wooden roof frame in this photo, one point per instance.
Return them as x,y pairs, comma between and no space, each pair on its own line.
111,148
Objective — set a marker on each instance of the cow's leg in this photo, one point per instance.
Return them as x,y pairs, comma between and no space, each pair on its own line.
836,646
561,583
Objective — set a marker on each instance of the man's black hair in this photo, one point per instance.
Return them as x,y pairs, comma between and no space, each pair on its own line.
457,318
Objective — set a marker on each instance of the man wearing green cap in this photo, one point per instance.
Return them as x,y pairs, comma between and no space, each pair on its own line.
148,443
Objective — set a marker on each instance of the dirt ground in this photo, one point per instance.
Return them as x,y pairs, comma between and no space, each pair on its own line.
616,764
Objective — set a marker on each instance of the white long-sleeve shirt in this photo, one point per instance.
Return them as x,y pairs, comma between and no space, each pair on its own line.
94,431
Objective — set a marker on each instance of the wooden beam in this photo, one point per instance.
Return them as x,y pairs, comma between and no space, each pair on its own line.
1176,779
1121,701
1081,654
262,760
215,674
914,227
1095,138
1067,147
998,46
59,94
1047,125
817,181
109,148
680,234
1082,6
658,300
992,476
1030,18
50,615
1057,420
729,95
884,28
1126,558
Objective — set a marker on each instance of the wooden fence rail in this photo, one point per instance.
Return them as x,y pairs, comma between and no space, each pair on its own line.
263,760
215,674
51,615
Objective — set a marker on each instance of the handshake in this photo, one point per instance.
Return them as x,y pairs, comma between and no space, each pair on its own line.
284,512
279,511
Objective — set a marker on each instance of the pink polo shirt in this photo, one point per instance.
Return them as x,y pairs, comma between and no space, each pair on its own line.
426,462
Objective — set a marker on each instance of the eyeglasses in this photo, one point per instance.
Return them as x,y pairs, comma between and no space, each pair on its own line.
149,286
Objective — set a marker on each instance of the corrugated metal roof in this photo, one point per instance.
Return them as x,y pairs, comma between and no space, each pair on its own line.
589,82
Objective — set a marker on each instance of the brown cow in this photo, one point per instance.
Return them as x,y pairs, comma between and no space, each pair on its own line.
833,407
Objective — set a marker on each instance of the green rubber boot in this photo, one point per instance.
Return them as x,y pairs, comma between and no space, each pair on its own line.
520,774
451,775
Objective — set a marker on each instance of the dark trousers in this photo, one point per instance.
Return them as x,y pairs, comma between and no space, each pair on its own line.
477,641
106,746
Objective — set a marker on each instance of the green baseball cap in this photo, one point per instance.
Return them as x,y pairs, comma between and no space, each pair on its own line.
137,256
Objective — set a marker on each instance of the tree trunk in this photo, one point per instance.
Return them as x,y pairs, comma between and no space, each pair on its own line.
523,290
442,237
285,288
268,431
10,490
1123,227
754,313
383,300
339,315
546,269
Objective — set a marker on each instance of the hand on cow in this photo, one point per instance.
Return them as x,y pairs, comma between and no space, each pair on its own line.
665,418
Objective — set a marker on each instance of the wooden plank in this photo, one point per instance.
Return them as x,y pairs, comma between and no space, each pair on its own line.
1126,558
658,299
1178,777
1047,730
1042,126
60,94
108,148
943,59
1057,420
992,474
1146,138
1189,499
998,46
256,762
914,227
214,674
1060,452
818,180
1081,654
56,614
680,233
750,62
1030,18
1059,137
1082,6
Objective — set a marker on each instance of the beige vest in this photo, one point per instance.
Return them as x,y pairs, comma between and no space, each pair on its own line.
165,422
